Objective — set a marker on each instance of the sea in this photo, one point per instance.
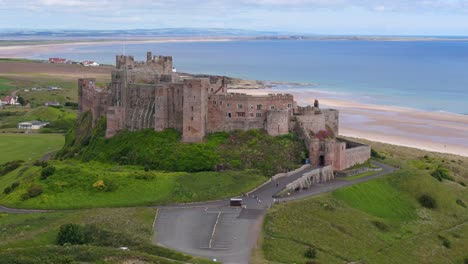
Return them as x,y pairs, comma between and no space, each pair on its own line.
425,75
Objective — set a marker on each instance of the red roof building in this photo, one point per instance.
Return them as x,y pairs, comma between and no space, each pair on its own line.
57,60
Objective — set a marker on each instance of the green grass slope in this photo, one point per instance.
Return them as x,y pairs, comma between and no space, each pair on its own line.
381,221
31,238
73,186
28,146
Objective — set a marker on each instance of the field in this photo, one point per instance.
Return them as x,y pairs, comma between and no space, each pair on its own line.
31,238
381,221
28,146
24,75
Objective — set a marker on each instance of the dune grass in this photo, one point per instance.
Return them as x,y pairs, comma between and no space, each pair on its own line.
378,198
380,221
28,146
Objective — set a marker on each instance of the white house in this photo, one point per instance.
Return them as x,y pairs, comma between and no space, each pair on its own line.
88,63
32,125
10,100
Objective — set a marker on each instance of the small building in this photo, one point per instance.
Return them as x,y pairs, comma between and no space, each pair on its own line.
88,63
52,104
10,100
32,125
57,60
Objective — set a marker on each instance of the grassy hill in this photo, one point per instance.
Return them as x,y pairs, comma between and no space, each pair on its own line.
32,238
381,221
164,151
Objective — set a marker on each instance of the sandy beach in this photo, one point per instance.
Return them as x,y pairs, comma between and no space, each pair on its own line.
432,131
24,51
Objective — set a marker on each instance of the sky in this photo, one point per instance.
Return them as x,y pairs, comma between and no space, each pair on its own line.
364,17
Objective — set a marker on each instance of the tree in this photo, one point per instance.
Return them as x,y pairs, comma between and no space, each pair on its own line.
21,101
71,233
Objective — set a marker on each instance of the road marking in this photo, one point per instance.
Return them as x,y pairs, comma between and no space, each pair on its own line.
214,230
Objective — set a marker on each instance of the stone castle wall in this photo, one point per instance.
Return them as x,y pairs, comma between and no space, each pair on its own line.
93,99
357,155
227,112
150,94
316,120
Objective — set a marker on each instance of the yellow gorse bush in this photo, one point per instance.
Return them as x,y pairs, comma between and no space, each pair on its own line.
99,185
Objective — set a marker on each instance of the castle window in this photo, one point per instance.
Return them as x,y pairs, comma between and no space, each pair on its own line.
289,105
191,118
259,114
259,107
240,114
240,106
251,107
220,102
229,114
272,107
192,108
214,102
228,104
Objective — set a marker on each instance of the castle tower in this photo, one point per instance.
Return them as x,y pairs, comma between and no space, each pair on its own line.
149,56
195,108
161,114
277,122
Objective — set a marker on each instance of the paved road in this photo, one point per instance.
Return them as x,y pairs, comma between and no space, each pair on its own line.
4,209
217,231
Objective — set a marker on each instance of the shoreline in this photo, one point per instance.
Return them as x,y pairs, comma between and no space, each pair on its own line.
432,131
26,51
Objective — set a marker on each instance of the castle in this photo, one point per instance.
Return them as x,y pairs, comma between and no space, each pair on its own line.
150,94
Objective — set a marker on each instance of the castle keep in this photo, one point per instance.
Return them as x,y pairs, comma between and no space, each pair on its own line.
151,94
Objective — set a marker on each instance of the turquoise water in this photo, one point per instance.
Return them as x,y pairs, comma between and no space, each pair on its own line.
426,75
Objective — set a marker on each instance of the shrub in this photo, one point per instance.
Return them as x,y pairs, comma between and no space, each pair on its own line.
445,242
461,203
110,186
7,190
11,188
100,185
380,225
15,185
441,173
10,166
34,191
47,171
40,163
465,261
310,253
462,183
72,234
427,201
376,155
